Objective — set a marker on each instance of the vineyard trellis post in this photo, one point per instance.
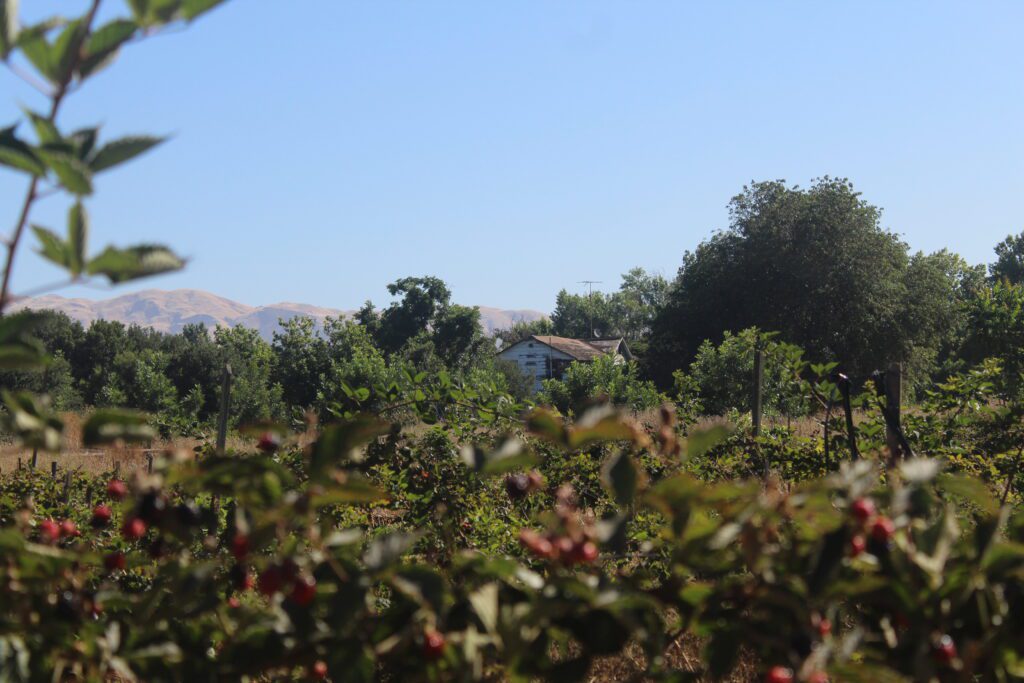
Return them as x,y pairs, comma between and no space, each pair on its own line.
893,401
757,399
225,407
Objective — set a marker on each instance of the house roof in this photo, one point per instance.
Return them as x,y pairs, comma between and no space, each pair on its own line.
577,348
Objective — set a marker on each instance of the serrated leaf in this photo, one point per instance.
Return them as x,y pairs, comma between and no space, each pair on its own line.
78,236
46,131
65,49
191,9
33,44
119,151
72,173
17,154
103,45
133,263
108,425
52,247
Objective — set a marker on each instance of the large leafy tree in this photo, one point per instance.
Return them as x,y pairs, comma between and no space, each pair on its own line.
814,264
1009,264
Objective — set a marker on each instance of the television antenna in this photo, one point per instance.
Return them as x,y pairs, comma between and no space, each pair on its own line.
590,301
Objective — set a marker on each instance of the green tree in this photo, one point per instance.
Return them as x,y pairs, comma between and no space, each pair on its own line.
603,379
254,396
814,265
1009,263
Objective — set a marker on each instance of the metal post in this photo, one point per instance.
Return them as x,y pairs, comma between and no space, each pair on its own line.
225,407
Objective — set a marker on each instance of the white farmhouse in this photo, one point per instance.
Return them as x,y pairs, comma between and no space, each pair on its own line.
546,357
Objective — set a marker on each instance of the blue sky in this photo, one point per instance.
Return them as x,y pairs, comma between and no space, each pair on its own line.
323,148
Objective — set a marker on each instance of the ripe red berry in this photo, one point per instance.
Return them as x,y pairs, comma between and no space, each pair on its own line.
269,442
563,548
433,645
318,670
240,546
115,561
117,490
133,529
585,552
234,602
863,509
882,529
68,529
824,627
779,674
304,591
49,531
945,650
857,545
270,580
101,515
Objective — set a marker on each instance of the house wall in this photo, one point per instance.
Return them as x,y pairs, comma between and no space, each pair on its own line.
534,359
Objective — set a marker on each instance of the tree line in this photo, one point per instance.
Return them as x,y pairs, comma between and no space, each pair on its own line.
812,265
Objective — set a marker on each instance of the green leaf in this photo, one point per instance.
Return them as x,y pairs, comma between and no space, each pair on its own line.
73,174
598,427
386,550
52,247
621,477
108,425
33,44
31,420
8,26
120,151
354,490
510,455
191,9
78,235
338,443
65,49
132,263
970,489
546,424
46,131
103,45
700,441
17,154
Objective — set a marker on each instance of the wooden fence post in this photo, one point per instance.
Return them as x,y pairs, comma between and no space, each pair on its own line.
225,408
53,469
893,401
67,487
149,463
35,457
757,398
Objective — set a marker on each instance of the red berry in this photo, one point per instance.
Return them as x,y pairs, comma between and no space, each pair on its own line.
433,645
883,529
857,545
945,650
269,442
49,531
270,580
585,552
133,529
818,677
69,529
318,671
116,489
779,674
535,543
863,509
240,546
101,515
115,561
304,591
563,548
234,602
824,627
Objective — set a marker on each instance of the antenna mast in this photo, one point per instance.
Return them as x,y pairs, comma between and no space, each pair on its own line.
590,302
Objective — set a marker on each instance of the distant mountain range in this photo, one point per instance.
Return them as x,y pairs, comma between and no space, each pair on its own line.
169,311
